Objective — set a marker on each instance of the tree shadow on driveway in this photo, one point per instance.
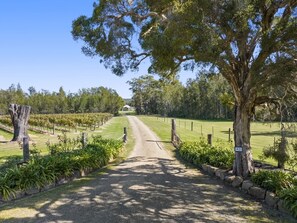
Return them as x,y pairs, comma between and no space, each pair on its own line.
145,189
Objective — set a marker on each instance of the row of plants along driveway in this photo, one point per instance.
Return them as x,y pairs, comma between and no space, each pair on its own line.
67,160
277,187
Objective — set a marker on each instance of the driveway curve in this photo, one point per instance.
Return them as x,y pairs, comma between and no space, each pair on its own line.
152,186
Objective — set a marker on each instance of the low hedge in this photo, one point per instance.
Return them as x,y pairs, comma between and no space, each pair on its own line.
284,184
274,181
41,171
289,195
200,152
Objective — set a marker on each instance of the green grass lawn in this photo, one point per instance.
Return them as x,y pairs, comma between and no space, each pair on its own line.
112,129
263,134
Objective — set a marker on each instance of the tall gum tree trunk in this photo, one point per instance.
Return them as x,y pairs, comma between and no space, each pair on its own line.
19,116
243,164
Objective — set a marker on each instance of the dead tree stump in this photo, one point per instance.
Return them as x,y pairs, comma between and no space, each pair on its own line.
19,116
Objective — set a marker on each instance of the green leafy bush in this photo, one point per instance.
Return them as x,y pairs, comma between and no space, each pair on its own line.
41,171
202,153
32,176
292,163
289,195
9,182
110,146
275,152
274,181
289,158
10,162
282,183
65,144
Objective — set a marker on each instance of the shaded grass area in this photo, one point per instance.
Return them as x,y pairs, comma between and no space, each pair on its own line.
263,134
28,206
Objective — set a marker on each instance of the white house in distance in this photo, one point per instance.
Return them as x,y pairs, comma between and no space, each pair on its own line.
127,108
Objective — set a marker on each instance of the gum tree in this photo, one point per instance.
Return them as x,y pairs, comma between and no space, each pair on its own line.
252,43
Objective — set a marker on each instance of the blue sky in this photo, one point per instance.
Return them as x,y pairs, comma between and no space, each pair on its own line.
37,49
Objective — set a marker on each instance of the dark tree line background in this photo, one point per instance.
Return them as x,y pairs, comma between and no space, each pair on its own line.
205,97
97,99
208,96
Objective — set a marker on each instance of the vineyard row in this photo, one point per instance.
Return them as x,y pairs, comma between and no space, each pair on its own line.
50,121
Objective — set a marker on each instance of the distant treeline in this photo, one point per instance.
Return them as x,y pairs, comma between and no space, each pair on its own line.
208,96
202,98
97,99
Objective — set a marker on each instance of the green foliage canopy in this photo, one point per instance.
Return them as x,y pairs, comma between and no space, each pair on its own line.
251,42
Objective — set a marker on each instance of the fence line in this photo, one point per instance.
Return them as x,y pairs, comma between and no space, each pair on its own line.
6,128
176,140
201,128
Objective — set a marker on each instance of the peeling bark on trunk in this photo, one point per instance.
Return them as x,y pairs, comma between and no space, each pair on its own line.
243,164
19,116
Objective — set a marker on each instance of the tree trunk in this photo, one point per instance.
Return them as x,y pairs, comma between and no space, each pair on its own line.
243,164
19,117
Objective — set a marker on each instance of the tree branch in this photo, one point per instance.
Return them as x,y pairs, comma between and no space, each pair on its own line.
265,99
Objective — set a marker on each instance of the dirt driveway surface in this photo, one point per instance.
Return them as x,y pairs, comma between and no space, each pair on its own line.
151,186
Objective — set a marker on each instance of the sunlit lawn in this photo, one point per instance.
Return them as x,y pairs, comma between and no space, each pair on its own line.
263,135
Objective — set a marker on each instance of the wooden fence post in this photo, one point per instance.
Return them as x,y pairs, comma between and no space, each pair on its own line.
282,148
173,130
192,126
84,139
125,137
26,150
209,139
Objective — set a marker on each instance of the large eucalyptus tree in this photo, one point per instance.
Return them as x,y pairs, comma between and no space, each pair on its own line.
252,43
